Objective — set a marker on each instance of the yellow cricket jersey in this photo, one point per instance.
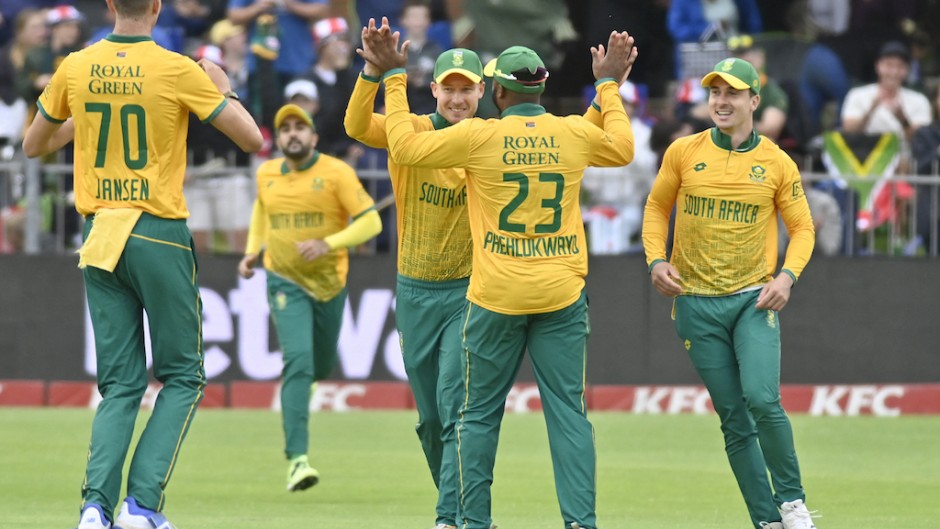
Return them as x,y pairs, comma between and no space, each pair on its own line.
312,202
433,227
130,100
726,213
524,176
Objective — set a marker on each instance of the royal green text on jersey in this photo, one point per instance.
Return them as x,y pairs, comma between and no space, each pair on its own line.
517,150
115,79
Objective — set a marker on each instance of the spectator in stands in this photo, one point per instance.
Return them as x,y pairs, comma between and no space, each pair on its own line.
827,17
65,36
335,80
30,32
886,105
303,93
184,20
926,151
614,196
281,44
701,20
217,187
233,42
10,11
422,53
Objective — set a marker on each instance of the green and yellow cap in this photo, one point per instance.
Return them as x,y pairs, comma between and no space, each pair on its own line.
460,61
518,69
289,110
738,73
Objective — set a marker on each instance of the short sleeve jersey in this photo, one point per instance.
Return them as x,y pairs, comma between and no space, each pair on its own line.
130,100
314,201
433,227
726,213
524,176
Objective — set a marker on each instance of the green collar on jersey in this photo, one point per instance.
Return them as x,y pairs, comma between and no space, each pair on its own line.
304,167
128,39
723,141
438,121
523,109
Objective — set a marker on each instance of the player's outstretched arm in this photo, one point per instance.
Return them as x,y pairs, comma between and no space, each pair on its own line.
44,137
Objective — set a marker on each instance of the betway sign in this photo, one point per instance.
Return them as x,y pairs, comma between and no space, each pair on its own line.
239,338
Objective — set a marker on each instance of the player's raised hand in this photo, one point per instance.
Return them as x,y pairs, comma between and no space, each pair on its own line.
616,60
380,47
216,74
666,279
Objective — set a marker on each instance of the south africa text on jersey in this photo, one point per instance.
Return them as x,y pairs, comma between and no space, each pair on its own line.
731,210
123,189
443,196
111,79
542,247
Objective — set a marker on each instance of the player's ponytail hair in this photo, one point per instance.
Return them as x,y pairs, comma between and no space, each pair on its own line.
133,8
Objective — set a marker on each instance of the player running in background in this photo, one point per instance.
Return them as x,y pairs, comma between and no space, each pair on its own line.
434,260
728,184
524,176
129,101
301,218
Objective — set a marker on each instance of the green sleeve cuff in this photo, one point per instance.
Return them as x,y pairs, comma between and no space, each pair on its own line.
789,273
604,80
393,71
215,112
369,78
47,116
595,106
355,218
654,263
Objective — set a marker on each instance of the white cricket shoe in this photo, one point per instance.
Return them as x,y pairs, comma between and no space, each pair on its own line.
796,515
771,525
134,516
93,518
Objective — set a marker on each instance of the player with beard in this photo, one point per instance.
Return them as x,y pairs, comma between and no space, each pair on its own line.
301,218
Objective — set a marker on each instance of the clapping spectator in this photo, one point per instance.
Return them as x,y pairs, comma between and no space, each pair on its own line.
30,33
65,36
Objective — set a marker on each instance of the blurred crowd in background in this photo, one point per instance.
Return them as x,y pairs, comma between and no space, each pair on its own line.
851,92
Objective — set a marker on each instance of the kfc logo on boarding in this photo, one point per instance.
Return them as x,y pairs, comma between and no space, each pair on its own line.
657,400
856,400
363,337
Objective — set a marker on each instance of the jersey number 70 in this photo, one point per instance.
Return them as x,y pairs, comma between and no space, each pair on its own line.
105,129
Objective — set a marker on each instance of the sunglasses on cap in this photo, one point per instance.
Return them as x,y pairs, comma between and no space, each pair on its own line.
525,77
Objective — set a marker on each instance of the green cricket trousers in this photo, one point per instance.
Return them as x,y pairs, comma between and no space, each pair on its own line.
736,349
157,274
494,345
429,315
308,333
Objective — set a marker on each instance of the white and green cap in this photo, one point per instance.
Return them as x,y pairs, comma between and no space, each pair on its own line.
460,61
518,69
738,73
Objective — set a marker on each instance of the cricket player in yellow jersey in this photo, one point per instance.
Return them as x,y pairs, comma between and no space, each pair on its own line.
434,261
127,101
728,184
524,176
301,218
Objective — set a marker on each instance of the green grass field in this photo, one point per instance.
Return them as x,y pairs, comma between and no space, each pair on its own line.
653,472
